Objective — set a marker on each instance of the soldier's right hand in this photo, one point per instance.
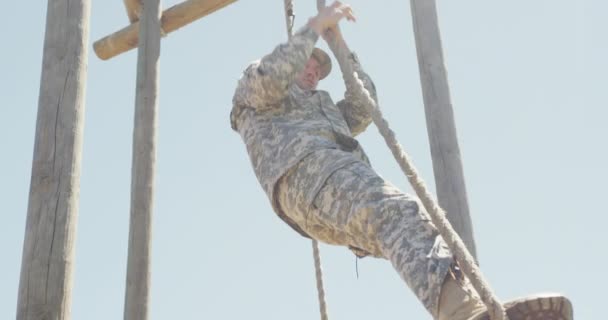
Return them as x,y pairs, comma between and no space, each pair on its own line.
329,16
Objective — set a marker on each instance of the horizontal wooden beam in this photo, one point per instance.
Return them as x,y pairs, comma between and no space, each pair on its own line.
172,19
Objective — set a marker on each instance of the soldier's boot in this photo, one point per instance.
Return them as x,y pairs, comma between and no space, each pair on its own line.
459,302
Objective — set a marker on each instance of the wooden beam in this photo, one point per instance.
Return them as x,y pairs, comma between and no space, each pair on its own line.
133,9
48,250
447,163
143,164
172,19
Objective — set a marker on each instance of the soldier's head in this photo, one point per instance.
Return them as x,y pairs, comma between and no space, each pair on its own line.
317,68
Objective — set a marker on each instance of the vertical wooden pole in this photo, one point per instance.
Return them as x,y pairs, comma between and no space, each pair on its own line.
48,251
447,163
143,166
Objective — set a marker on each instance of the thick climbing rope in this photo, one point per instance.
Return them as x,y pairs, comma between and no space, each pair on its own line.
463,256
319,276
289,20
289,17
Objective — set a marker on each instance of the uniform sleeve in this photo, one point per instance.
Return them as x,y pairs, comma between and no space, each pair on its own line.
266,81
353,106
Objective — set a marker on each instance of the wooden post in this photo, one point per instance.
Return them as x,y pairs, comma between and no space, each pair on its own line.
447,163
133,9
172,19
48,251
143,166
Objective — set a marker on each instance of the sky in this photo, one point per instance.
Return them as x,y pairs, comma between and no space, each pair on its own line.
527,81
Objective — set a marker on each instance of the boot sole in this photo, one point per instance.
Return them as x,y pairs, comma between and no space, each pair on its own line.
539,307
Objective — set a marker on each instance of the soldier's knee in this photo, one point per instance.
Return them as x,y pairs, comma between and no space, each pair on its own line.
397,209
408,205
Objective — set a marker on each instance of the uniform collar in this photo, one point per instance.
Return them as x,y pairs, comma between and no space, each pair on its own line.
298,92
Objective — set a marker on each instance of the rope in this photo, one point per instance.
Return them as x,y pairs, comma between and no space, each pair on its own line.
462,255
467,262
289,21
319,276
289,17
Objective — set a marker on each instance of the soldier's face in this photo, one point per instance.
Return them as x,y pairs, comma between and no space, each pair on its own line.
309,77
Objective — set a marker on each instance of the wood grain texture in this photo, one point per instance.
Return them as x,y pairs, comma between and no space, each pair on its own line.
48,251
441,127
137,294
172,19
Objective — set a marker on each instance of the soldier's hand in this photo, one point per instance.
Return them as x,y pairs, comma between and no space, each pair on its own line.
329,16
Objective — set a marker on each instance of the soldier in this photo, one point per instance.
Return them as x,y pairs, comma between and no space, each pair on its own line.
320,182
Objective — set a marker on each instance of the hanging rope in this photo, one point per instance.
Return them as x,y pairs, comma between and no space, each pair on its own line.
319,276
289,17
289,20
466,260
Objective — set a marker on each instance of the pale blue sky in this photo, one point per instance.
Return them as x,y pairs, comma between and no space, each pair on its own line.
528,86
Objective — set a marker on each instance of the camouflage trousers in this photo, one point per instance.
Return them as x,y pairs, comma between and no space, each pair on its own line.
357,208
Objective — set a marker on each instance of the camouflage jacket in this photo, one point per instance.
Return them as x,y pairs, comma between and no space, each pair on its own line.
281,124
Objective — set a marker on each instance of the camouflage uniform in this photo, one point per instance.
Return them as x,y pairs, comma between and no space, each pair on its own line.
317,176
